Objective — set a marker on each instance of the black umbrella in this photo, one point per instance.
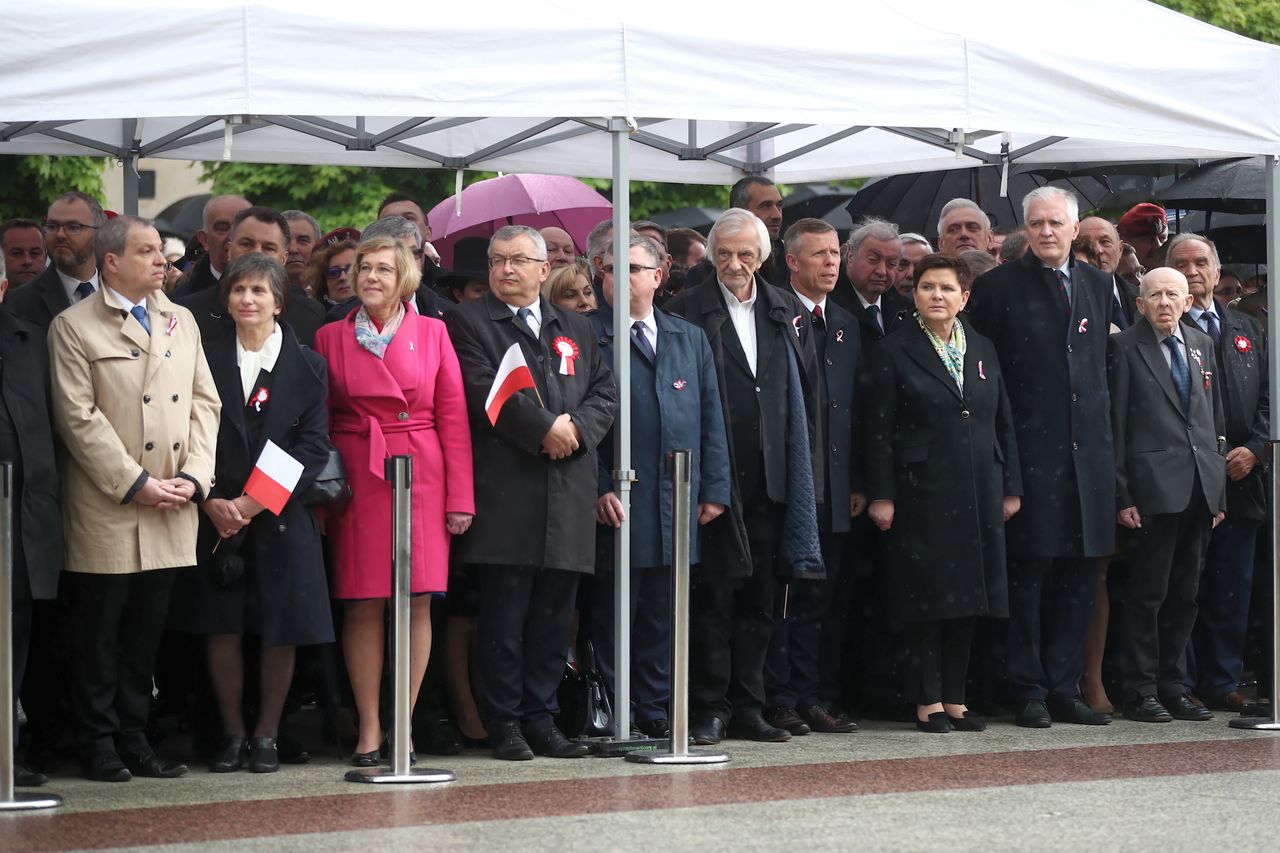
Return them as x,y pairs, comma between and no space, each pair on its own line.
184,217
1231,186
698,218
827,202
915,201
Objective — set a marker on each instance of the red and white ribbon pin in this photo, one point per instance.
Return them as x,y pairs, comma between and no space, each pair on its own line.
568,352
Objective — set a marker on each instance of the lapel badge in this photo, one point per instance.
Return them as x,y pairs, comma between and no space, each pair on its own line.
568,352
981,373
679,384
1084,325
795,324
173,324
1243,344
410,346
259,398
839,336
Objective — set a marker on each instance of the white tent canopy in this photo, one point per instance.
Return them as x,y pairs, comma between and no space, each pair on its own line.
833,90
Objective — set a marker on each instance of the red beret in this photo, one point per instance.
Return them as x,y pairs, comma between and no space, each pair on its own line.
1142,220
337,235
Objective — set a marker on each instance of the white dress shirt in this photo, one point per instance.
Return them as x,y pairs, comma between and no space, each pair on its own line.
742,314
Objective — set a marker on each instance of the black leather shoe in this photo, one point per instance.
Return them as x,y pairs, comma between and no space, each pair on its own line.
1033,715
655,728
552,743
366,759
787,719
509,744
149,765
1147,709
750,725
105,767
822,720
970,722
24,778
1076,711
707,731
1235,702
264,755
938,723
1182,708
231,758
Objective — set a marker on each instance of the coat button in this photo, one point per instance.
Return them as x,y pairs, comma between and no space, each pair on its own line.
146,398
403,416
834,404
1068,349
830,362
281,528
964,413
1074,398
541,358
175,398
168,353
176,445
149,446
135,353
757,389
1075,445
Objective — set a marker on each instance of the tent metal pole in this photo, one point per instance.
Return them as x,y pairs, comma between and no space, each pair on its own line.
623,474
129,174
1272,723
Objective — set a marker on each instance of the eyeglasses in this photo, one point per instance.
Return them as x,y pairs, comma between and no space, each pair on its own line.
497,261
635,268
417,253
334,272
72,228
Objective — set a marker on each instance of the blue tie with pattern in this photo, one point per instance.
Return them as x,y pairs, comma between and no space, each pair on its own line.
1181,375
1211,326
141,314
83,291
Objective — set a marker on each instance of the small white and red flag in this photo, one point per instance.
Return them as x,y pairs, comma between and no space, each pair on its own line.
512,376
274,478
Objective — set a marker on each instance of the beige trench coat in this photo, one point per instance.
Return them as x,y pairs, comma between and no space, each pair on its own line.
124,403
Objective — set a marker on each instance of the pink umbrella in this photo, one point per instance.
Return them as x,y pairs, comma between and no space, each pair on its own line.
534,200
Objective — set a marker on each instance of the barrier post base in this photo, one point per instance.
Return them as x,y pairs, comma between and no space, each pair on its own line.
386,776
24,802
692,756
1257,724
610,748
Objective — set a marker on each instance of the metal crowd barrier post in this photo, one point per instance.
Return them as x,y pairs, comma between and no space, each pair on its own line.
680,463
399,472
9,799
1271,723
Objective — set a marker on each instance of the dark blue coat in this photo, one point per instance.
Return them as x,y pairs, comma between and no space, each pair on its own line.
675,405
838,365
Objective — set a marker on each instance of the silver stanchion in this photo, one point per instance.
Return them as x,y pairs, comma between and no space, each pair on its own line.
680,463
1271,723
399,472
9,799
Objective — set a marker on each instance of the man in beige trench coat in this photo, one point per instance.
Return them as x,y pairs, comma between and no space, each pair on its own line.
137,411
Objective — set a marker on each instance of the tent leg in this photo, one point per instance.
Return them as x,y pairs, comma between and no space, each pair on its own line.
129,174
623,473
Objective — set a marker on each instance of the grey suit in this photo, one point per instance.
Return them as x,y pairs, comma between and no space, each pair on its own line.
1170,465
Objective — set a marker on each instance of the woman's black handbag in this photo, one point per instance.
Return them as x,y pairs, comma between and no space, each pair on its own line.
584,703
331,484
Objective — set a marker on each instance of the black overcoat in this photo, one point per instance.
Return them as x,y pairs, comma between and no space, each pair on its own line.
39,300
1055,370
530,510
283,552
947,460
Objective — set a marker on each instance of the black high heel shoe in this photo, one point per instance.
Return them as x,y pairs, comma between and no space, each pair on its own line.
264,756
970,722
232,756
937,724
366,759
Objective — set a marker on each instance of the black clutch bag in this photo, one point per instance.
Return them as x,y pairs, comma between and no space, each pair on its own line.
331,484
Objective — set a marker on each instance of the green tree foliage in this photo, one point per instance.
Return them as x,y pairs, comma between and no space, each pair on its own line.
28,183
1259,19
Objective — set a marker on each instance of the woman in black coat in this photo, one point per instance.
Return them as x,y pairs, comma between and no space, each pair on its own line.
259,573
942,478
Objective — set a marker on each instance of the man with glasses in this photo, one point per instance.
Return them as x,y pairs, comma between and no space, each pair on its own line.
73,220
535,489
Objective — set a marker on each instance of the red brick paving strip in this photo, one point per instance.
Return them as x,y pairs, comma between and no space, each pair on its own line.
186,824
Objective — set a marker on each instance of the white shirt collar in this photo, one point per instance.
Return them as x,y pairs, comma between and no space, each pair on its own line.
733,301
122,301
864,301
70,284
809,303
253,363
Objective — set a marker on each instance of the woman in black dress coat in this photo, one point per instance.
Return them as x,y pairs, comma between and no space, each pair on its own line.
942,477
259,573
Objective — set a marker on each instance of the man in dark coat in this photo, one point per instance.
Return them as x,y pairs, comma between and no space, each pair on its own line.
767,371
1166,416
26,441
793,677
219,217
1105,248
873,254
73,220
256,229
535,484
675,405
1240,349
1049,317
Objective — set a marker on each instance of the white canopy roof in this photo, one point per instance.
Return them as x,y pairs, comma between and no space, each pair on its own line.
827,90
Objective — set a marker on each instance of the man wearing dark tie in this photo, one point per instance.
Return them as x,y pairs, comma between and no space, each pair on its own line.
1240,348
74,218
873,255
1167,423
1106,246
799,658
675,405
218,218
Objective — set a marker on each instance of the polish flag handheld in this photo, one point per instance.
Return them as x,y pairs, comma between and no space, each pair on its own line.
513,375
274,478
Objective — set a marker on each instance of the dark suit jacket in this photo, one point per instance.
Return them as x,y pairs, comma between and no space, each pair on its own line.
39,300
1159,450
530,510
679,410
198,278
947,459
1246,404
1055,369
25,380
302,313
1128,299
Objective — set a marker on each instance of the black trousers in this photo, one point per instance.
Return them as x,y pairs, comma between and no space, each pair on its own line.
116,623
1222,620
1165,558
731,622
936,661
650,638
522,635
1050,605
795,666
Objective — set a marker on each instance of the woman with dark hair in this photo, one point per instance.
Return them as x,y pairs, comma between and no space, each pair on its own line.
259,573
329,277
943,478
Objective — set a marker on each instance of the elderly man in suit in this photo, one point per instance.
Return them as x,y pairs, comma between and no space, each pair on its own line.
1049,318
1240,349
218,217
675,405
535,489
873,255
1106,247
137,411
1166,415
74,218
767,370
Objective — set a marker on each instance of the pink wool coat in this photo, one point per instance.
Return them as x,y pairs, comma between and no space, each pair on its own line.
409,402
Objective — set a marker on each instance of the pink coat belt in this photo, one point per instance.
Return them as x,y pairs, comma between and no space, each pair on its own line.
376,432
